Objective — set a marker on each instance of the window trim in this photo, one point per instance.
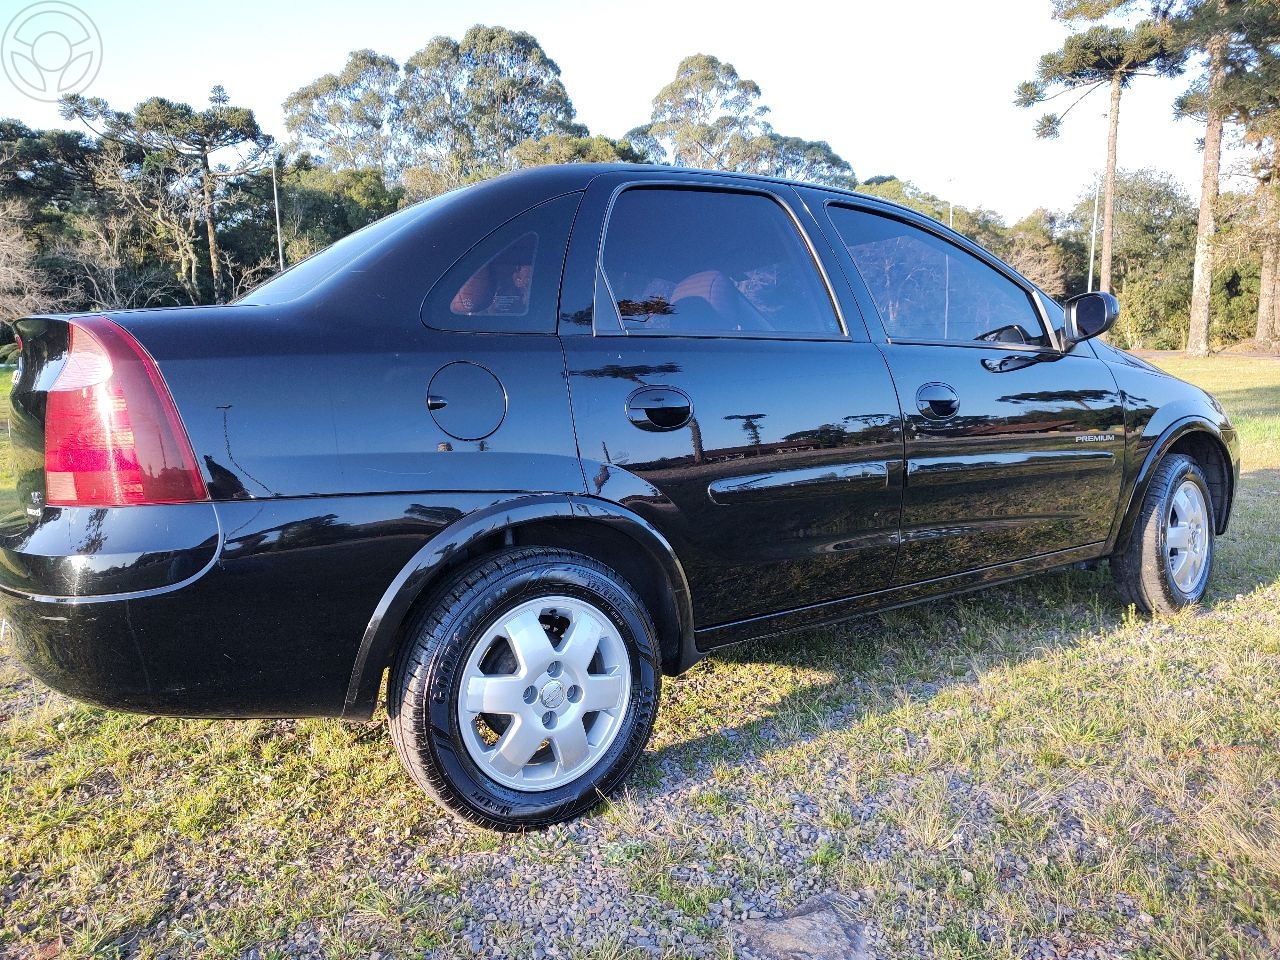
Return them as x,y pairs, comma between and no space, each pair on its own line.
978,253
621,329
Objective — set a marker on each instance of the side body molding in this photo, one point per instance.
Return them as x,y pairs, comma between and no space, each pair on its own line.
378,644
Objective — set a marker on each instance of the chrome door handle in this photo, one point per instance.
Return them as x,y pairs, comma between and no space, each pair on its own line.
659,408
938,401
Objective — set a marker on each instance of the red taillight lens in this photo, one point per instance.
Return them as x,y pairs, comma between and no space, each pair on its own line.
112,435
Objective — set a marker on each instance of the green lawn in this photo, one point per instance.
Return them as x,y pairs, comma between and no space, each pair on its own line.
1024,768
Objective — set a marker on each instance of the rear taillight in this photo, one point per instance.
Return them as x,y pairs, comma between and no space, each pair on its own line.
112,434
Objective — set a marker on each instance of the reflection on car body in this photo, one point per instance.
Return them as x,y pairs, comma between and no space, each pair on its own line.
592,422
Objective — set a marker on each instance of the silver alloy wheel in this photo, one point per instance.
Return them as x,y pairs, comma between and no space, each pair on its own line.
544,693
1186,538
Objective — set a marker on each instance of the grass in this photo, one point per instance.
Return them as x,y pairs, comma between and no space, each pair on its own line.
1031,765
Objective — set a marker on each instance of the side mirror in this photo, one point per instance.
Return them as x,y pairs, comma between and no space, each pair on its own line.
1088,315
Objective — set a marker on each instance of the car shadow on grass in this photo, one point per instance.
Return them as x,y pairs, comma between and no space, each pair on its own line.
763,696
758,698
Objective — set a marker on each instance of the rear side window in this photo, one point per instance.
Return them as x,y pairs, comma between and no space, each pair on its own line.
926,288
708,262
510,281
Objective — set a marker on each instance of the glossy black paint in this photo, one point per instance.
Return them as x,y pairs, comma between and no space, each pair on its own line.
217,644
783,489
745,486
1010,474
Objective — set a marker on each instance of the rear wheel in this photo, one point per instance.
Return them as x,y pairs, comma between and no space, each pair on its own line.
1169,557
527,688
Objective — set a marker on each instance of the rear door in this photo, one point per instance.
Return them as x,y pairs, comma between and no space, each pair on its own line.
1014,449
718,392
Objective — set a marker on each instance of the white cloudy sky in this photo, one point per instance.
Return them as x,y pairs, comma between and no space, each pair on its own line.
918,88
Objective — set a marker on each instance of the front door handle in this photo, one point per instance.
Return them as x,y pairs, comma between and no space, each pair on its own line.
659,408
938,401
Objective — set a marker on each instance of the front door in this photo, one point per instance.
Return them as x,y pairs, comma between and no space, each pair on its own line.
1014,449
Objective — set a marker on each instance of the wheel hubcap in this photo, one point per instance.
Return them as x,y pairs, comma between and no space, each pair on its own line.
1187,538
544,693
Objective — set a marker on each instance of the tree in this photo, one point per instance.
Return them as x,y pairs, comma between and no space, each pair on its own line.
464,107
1235,36
795,159
151,196
318,205
513,92
47,170
710,117
432,113
22,289
564,148
347,117
1266,334
705,117
1215,43
1154,248
1034,251
1102,56
983,227
1252,101
176,137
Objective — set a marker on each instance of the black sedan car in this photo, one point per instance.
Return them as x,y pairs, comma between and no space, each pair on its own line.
530,445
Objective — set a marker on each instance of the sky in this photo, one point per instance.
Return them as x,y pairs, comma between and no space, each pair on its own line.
922,89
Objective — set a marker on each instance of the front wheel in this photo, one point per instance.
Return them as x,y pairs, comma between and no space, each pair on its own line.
1167,561
527,688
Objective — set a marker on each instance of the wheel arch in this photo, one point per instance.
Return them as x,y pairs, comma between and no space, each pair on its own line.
601,529
1199,439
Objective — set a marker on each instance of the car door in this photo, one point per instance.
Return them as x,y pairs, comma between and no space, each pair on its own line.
1014,449
716,392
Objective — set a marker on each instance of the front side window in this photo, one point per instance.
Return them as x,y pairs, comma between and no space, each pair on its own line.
698,262
928,289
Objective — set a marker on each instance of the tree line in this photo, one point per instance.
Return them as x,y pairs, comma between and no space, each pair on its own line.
168,204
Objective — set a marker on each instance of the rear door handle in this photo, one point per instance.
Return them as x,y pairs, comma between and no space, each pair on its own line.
659,408
938,401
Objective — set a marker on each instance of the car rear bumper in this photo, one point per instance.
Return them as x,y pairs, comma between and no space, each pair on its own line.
251,608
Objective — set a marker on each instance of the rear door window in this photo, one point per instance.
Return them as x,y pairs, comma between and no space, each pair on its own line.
698,262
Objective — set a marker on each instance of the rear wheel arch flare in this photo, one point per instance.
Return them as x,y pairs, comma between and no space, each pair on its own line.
634,560
640,554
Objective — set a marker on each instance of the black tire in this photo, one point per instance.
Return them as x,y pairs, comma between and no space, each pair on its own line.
457,638
1146,571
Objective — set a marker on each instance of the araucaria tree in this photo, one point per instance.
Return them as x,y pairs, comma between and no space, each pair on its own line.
1101,57
1238,39
186,141
1253,102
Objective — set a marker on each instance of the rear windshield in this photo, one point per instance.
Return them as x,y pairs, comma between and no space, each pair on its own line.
304,277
